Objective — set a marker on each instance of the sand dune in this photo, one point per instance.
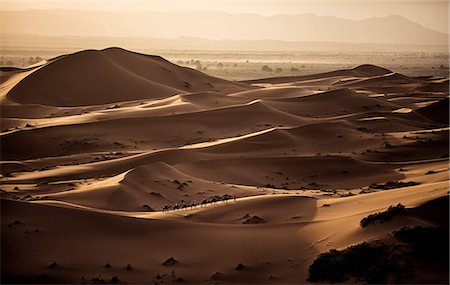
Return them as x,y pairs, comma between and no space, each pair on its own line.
385,79
113,157
365,70
111,75
293,172
331,103
130,133
438,112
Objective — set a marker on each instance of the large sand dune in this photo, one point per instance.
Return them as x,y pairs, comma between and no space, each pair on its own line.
100,148
112,75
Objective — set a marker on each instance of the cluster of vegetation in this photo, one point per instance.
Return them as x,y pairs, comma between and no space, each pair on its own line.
196,63
393,184
428,243
33,60
187,62
368,263
266,68
100,280
205,201
378,262
382,216
268,185
6,63
167,278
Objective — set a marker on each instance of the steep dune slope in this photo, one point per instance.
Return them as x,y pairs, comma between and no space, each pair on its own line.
438,112
111,75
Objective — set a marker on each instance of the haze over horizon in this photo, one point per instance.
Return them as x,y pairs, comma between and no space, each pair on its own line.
219,26
430,14
394,22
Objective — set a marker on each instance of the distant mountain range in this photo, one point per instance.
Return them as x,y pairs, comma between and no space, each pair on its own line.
220,25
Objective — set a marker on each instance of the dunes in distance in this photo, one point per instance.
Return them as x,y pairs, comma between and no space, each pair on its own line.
123,167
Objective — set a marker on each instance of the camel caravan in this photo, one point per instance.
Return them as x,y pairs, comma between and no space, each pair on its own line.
204,202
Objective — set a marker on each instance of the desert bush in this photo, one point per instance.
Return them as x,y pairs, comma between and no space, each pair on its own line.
368,263
427,242
239,267
266,68
128,267
393,262
372,263
393,184
170,262
382,216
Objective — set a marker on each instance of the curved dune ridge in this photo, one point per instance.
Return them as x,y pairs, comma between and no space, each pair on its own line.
164,174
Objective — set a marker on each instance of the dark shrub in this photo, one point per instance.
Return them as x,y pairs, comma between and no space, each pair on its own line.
393,184
239,267
170,262
382,216
368,263
422,249
426,242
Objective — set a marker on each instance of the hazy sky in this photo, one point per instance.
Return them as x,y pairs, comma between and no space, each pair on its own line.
429,13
